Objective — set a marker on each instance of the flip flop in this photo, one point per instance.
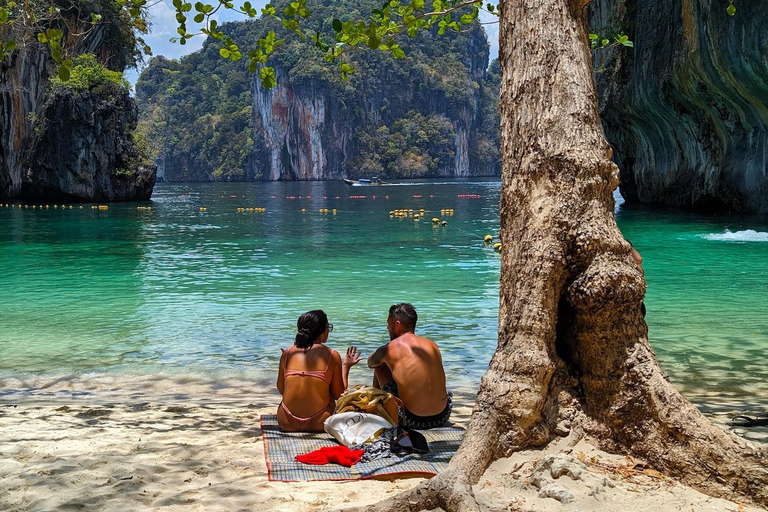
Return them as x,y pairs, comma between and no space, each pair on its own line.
743,420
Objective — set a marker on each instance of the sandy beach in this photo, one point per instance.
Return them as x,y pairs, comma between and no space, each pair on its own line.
209,455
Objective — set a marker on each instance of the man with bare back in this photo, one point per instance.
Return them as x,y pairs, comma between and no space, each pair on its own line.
411,368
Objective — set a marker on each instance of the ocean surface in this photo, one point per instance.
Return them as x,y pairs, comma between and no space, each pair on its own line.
165,299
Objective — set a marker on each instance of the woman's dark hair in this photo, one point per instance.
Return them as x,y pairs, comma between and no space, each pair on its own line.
311,325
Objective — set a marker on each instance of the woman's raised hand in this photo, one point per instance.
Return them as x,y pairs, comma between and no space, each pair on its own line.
352,358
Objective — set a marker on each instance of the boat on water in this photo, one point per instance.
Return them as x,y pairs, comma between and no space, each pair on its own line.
365,182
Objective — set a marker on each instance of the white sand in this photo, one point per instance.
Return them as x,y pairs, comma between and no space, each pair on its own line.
210,456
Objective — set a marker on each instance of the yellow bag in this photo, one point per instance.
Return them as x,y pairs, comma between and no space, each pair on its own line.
372,401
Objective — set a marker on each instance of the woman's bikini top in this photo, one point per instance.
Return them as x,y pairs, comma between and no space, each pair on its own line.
318,374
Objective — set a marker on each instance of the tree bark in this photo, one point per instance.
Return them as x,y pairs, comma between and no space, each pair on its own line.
573,346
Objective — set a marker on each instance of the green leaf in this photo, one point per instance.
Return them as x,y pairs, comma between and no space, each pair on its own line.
3,16
398,52
466,19
235,56
41,37
95,18
336,24
180,17
628,43
253,65
10,45
418,5
605,42
224,53
64,73
593,37
199,18
731,10
267,76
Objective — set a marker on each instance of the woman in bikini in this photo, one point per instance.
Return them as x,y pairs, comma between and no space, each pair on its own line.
311,376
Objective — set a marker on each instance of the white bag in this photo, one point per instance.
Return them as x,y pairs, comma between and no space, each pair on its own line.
350,428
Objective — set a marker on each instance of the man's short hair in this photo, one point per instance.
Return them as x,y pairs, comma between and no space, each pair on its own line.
406,313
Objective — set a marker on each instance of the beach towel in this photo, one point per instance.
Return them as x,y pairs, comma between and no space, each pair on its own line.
281,449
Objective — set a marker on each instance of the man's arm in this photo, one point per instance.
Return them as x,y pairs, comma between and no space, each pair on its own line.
379,357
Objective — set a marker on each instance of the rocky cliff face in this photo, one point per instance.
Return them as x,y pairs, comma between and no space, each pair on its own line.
299,132
27,117
686,109
24,77
315,128
82,149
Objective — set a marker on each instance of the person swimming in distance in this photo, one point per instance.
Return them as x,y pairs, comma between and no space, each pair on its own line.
411,368
311,375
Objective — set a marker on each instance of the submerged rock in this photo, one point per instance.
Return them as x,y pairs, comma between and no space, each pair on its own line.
82,149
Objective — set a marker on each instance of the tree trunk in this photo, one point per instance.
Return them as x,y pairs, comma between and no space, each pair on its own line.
573,347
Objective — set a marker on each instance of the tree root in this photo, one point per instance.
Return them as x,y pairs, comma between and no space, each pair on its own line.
450,491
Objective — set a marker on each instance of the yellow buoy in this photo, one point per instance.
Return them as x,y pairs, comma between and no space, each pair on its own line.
497,247
488,239
334,211
435,220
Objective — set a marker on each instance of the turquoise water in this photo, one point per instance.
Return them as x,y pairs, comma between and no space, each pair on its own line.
175,300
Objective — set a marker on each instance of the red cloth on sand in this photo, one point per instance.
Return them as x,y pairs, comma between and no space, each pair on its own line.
338,454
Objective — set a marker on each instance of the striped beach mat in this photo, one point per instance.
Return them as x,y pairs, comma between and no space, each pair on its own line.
281,448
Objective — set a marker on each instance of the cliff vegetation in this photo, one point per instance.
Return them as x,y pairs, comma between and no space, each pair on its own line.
434,113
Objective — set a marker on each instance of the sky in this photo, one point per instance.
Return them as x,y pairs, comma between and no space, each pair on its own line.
163,28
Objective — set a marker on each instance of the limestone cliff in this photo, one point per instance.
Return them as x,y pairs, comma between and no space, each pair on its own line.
420,118
82,149
686,109
25,104
24,77
299,132
434,113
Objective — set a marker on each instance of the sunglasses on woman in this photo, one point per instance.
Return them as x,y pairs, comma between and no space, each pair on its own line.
330,328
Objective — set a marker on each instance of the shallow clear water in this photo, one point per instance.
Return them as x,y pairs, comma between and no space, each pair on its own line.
175,299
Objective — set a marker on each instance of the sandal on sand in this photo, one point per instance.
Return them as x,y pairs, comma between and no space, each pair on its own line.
743,420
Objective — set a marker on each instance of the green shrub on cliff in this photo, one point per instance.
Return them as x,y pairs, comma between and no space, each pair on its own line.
88,73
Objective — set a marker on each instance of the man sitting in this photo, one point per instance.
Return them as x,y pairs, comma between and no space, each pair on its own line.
411,368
